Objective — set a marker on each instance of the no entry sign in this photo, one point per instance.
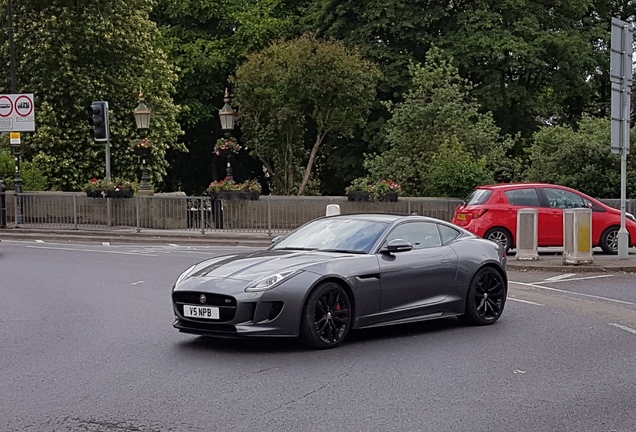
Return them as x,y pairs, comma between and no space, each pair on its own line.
17,113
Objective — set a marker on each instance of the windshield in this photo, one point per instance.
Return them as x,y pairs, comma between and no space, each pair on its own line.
337,234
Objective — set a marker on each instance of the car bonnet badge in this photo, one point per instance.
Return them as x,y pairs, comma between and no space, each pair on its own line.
202,298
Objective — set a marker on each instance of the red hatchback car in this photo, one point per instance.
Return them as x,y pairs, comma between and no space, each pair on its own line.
491,212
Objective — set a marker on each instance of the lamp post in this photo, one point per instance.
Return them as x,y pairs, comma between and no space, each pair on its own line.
17,181
227,114
142,118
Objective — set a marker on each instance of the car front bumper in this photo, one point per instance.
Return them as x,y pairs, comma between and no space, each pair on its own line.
274,312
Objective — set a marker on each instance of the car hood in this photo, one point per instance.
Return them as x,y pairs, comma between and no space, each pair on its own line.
252,266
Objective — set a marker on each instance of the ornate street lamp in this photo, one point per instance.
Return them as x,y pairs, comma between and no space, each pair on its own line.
227,114
142,118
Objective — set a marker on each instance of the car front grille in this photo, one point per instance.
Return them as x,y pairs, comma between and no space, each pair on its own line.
226,304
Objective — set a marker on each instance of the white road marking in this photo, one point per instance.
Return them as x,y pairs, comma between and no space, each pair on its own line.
525,301
173,245
571,292
105,244
622,327
90,250
39,241
551,280
137,283
559,277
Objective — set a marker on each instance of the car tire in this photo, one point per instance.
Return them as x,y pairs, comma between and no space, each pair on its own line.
327,317
486,298
609,240
501,236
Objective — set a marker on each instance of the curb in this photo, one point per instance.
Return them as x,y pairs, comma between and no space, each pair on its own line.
139,238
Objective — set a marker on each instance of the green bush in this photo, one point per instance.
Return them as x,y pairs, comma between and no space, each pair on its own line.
33,178
455,173
580,157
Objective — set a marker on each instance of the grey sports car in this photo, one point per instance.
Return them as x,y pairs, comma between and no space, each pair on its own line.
345,272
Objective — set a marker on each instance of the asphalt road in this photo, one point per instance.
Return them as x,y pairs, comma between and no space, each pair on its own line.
86,344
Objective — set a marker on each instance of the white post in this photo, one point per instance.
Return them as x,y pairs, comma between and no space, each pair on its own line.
332,210
527,234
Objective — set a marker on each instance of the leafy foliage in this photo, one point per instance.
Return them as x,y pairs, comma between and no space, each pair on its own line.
33,179
293,94
71,53
579,158
207,40
439,120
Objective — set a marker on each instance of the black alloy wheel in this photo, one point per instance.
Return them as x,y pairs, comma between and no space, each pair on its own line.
326,318
486,298
609,240
501,236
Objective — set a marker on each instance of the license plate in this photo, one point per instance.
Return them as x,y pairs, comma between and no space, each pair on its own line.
461,216
205,312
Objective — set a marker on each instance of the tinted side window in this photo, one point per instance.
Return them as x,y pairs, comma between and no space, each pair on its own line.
559,198
479,196
523,197
448,234
420,234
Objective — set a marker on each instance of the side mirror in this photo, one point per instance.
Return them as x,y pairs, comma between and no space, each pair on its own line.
398,245
277,239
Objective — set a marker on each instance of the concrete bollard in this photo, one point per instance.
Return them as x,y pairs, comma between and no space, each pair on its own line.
527,234
333,210
577,236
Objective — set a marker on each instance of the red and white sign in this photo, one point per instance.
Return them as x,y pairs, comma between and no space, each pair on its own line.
17,113
6,106
24,105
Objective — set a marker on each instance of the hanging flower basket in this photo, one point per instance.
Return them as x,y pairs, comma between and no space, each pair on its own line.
116,188
358,196
226,146
226,189
364,189
143,148
388,197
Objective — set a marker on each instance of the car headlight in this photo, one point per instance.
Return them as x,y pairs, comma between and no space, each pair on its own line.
271,281
630,216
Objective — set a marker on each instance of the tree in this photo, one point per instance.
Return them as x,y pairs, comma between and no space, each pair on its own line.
532,61
207,40
439,120
293,94
71,53
579,157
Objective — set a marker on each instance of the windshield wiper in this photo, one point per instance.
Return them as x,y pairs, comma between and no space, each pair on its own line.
295,248
351,251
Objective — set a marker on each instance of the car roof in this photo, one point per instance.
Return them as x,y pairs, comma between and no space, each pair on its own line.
383,217
518,185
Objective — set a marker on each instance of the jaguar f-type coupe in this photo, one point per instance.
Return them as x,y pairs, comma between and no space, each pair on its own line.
345,272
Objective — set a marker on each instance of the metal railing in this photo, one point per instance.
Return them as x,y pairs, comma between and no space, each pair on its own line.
269,214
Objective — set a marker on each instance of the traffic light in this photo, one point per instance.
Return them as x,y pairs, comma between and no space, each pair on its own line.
98,119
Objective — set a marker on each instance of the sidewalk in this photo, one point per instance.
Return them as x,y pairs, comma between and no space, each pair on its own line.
553,261
550,259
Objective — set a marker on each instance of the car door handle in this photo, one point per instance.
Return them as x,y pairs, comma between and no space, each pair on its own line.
446,261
